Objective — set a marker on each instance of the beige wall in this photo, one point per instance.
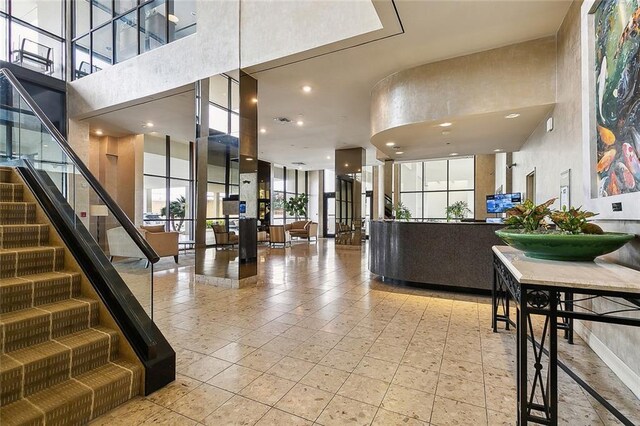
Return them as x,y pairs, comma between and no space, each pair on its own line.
485,178
507,78
551,153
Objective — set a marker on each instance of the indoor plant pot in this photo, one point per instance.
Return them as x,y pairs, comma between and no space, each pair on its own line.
559,246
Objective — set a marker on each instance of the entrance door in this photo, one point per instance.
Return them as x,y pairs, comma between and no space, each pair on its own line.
531,186
367,209
329,219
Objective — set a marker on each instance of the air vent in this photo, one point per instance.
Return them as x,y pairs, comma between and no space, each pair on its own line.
299,163
282,120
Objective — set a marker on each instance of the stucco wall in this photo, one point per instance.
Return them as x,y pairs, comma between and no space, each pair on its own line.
551,153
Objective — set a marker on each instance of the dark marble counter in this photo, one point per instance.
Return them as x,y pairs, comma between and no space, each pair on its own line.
453,254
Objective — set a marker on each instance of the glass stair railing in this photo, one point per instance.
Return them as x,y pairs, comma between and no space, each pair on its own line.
89,221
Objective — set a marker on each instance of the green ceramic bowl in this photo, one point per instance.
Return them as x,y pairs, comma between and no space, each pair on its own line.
583,247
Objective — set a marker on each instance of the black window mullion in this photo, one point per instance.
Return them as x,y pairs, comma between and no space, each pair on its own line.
167,178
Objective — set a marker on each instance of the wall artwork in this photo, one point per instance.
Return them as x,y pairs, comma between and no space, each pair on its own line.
617,96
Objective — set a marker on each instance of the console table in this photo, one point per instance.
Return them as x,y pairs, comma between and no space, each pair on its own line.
556,291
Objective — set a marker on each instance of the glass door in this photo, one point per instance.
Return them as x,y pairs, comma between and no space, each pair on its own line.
329,219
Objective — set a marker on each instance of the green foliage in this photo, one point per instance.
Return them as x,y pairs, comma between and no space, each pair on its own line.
528,216
297,206
574,221
458,210
402,212
177,212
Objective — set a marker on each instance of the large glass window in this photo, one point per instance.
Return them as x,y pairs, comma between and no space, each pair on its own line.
122,29
32,35
428,188
168,186
286,183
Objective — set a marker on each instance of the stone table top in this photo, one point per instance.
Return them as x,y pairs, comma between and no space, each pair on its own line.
598,275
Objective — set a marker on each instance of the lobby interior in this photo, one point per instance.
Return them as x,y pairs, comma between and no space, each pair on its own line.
257,205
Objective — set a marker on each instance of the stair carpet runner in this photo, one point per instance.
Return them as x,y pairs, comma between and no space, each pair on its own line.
58,365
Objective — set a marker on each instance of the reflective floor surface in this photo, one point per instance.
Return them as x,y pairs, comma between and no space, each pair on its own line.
321,341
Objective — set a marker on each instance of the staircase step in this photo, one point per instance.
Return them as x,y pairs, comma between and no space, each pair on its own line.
18,262
16,213
33,369
78,400
5,174
16,236
11,191
33,290
21,329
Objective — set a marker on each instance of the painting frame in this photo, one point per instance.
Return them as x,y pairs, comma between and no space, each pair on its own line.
602,205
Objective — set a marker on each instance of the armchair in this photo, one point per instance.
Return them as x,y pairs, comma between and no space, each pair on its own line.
222,237
164,243
278,234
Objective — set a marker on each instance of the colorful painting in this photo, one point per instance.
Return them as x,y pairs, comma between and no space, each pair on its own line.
617,109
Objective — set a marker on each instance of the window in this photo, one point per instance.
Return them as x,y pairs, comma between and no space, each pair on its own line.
427,188
168,185
286,183
116,30
32,35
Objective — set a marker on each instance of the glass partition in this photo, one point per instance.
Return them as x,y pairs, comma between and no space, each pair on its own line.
83,204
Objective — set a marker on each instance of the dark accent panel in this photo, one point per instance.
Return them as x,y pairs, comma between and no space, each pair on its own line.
48,92
151,347
447,254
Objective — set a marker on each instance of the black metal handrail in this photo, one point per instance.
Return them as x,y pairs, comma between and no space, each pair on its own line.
119,214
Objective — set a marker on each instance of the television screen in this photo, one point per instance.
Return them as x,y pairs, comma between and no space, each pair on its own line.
500,203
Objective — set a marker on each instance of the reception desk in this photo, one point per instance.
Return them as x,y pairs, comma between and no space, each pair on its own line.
454,254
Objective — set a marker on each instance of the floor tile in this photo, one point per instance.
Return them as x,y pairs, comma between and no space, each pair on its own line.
416,378
267,389
200,402
305,401
389,418
277,417
364,389
341,360
175,390
233,352
260,360
205,368
345,411
376,369
448,412
461,390
291,368
409,402
325,378
237,411
234,378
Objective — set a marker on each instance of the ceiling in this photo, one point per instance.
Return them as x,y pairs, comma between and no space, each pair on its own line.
335,114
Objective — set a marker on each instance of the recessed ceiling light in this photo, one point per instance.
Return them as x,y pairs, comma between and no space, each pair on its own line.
173,18
446,132
328,157
453,154
99,132
514,115
254,100
263,130
299,167
306,89
46,146
249,159
346,164
497,150
149,124
390,143
446,124
399,152
299,122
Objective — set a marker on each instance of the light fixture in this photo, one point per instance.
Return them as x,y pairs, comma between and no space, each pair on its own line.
299,122
497,150
149,124
328,157
446,132
445,124
299,167
254,100
399,152
513,115
99,132
390,143
453,154
346,164
249,159
263,130
173,18
306,89
45,145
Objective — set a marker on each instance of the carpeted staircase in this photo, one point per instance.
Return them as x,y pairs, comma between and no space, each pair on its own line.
58,365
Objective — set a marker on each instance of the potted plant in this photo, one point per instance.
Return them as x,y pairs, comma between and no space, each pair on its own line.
297,206
572,238
402,212
458,210
177,212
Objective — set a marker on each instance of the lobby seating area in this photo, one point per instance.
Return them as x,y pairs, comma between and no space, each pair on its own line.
305,229
165,243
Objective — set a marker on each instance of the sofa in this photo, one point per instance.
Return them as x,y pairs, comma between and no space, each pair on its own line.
222,237
164,243
303,229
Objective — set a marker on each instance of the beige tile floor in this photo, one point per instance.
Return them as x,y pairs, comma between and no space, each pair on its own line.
321,341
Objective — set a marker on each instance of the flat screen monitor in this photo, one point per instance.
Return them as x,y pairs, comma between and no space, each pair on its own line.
500,203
